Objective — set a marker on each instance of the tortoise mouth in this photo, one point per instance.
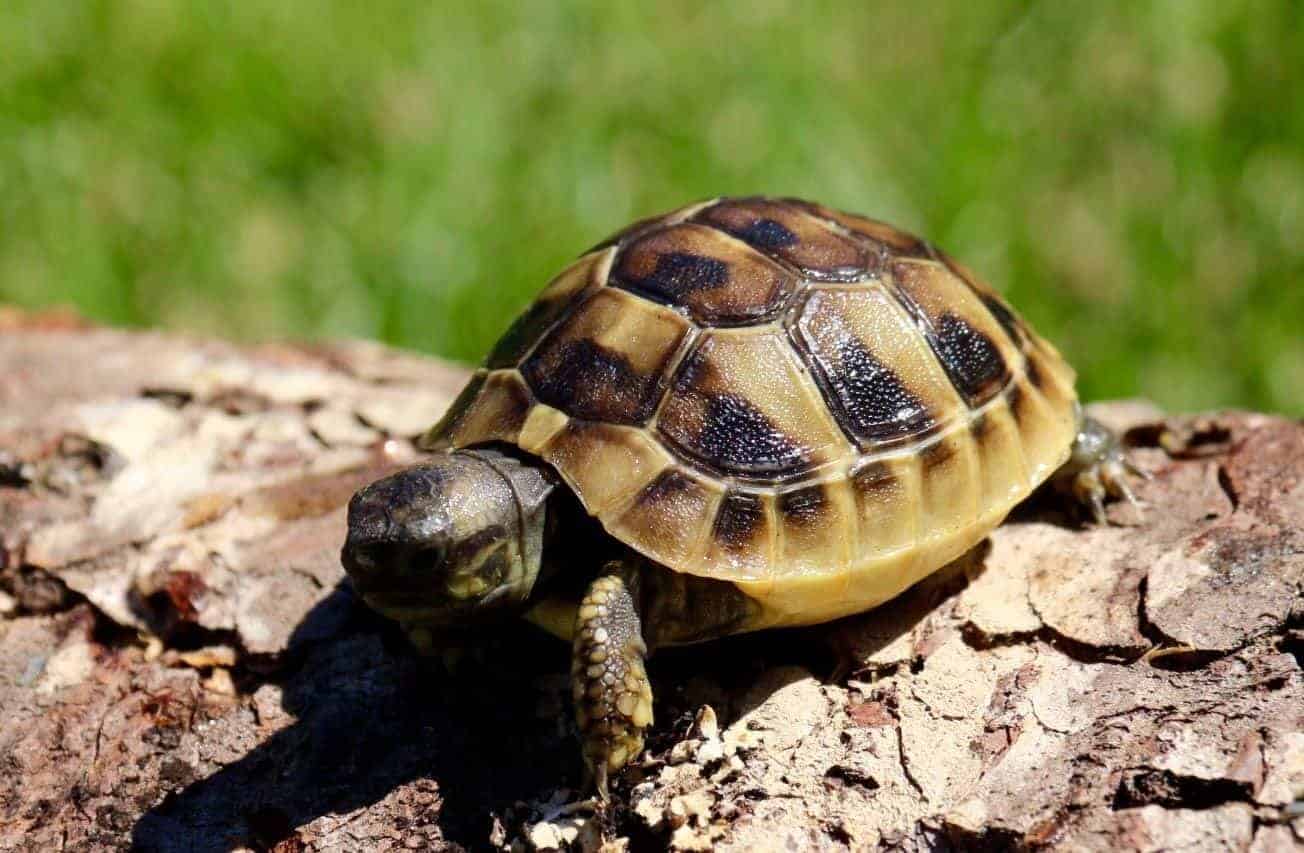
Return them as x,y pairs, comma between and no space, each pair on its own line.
409,609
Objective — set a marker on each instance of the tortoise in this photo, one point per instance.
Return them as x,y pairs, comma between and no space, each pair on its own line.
744,414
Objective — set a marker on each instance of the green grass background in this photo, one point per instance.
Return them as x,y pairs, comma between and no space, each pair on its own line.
1131,174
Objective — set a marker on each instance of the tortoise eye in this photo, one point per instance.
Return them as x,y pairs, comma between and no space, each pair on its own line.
367,559
426,561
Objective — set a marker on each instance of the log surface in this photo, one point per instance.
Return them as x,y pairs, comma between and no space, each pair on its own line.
183,667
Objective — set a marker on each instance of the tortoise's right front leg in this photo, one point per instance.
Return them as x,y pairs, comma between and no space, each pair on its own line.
613,697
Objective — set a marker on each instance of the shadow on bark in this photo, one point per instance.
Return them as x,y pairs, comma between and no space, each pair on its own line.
371,717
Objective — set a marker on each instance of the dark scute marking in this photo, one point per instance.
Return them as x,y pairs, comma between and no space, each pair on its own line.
739,437
1018,402
1035,376
910,246
677,274
873,477
971,359
766,234
741,516
789,232
1012,325
980,427
937,453
696,372
804,507
875,400
587,380
665,487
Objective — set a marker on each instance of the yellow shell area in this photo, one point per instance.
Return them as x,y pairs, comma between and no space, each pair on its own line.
853,520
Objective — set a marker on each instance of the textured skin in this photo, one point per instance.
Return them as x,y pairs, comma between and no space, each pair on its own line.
811,405
613,697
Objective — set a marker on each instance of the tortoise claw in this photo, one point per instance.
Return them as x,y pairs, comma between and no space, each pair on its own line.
1098,509
1114,473
1090,493
1136,471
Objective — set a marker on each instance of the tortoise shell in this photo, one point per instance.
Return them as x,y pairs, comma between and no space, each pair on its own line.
811,405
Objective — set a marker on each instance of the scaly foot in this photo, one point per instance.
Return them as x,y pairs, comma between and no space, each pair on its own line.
613,697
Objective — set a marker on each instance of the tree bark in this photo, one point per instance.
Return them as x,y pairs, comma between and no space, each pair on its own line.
183,667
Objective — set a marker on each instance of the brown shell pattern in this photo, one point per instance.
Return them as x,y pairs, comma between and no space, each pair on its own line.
752,389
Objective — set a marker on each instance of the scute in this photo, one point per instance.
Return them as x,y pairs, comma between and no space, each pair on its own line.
716,278
817,526
813,405
589,452
607,360
742,406
743,533
882,379
892,240
967,339
669,518
787,233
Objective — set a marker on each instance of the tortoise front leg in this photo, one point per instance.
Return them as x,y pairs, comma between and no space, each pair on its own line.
613,697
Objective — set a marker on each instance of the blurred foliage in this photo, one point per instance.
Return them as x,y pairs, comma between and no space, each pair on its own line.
1131,174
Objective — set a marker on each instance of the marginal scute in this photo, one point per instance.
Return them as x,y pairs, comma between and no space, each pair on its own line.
716,278
607,361
541,424
817,526
885,384
589,453
885,494
1055,377
493,407
949,481
1046,430
439,436
742,535
785,232
1004,474
669,517
970,344
553,303
741,405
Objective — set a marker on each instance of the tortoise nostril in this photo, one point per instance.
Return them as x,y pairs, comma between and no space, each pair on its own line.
368,518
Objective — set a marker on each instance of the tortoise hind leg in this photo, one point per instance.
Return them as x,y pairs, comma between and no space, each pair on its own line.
1098,468
613,697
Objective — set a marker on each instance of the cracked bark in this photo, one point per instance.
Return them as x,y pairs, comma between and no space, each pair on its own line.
182,668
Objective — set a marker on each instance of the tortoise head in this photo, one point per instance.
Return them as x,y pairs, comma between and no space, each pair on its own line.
449,542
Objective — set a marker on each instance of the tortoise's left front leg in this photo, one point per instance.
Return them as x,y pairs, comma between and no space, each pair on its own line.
613,697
